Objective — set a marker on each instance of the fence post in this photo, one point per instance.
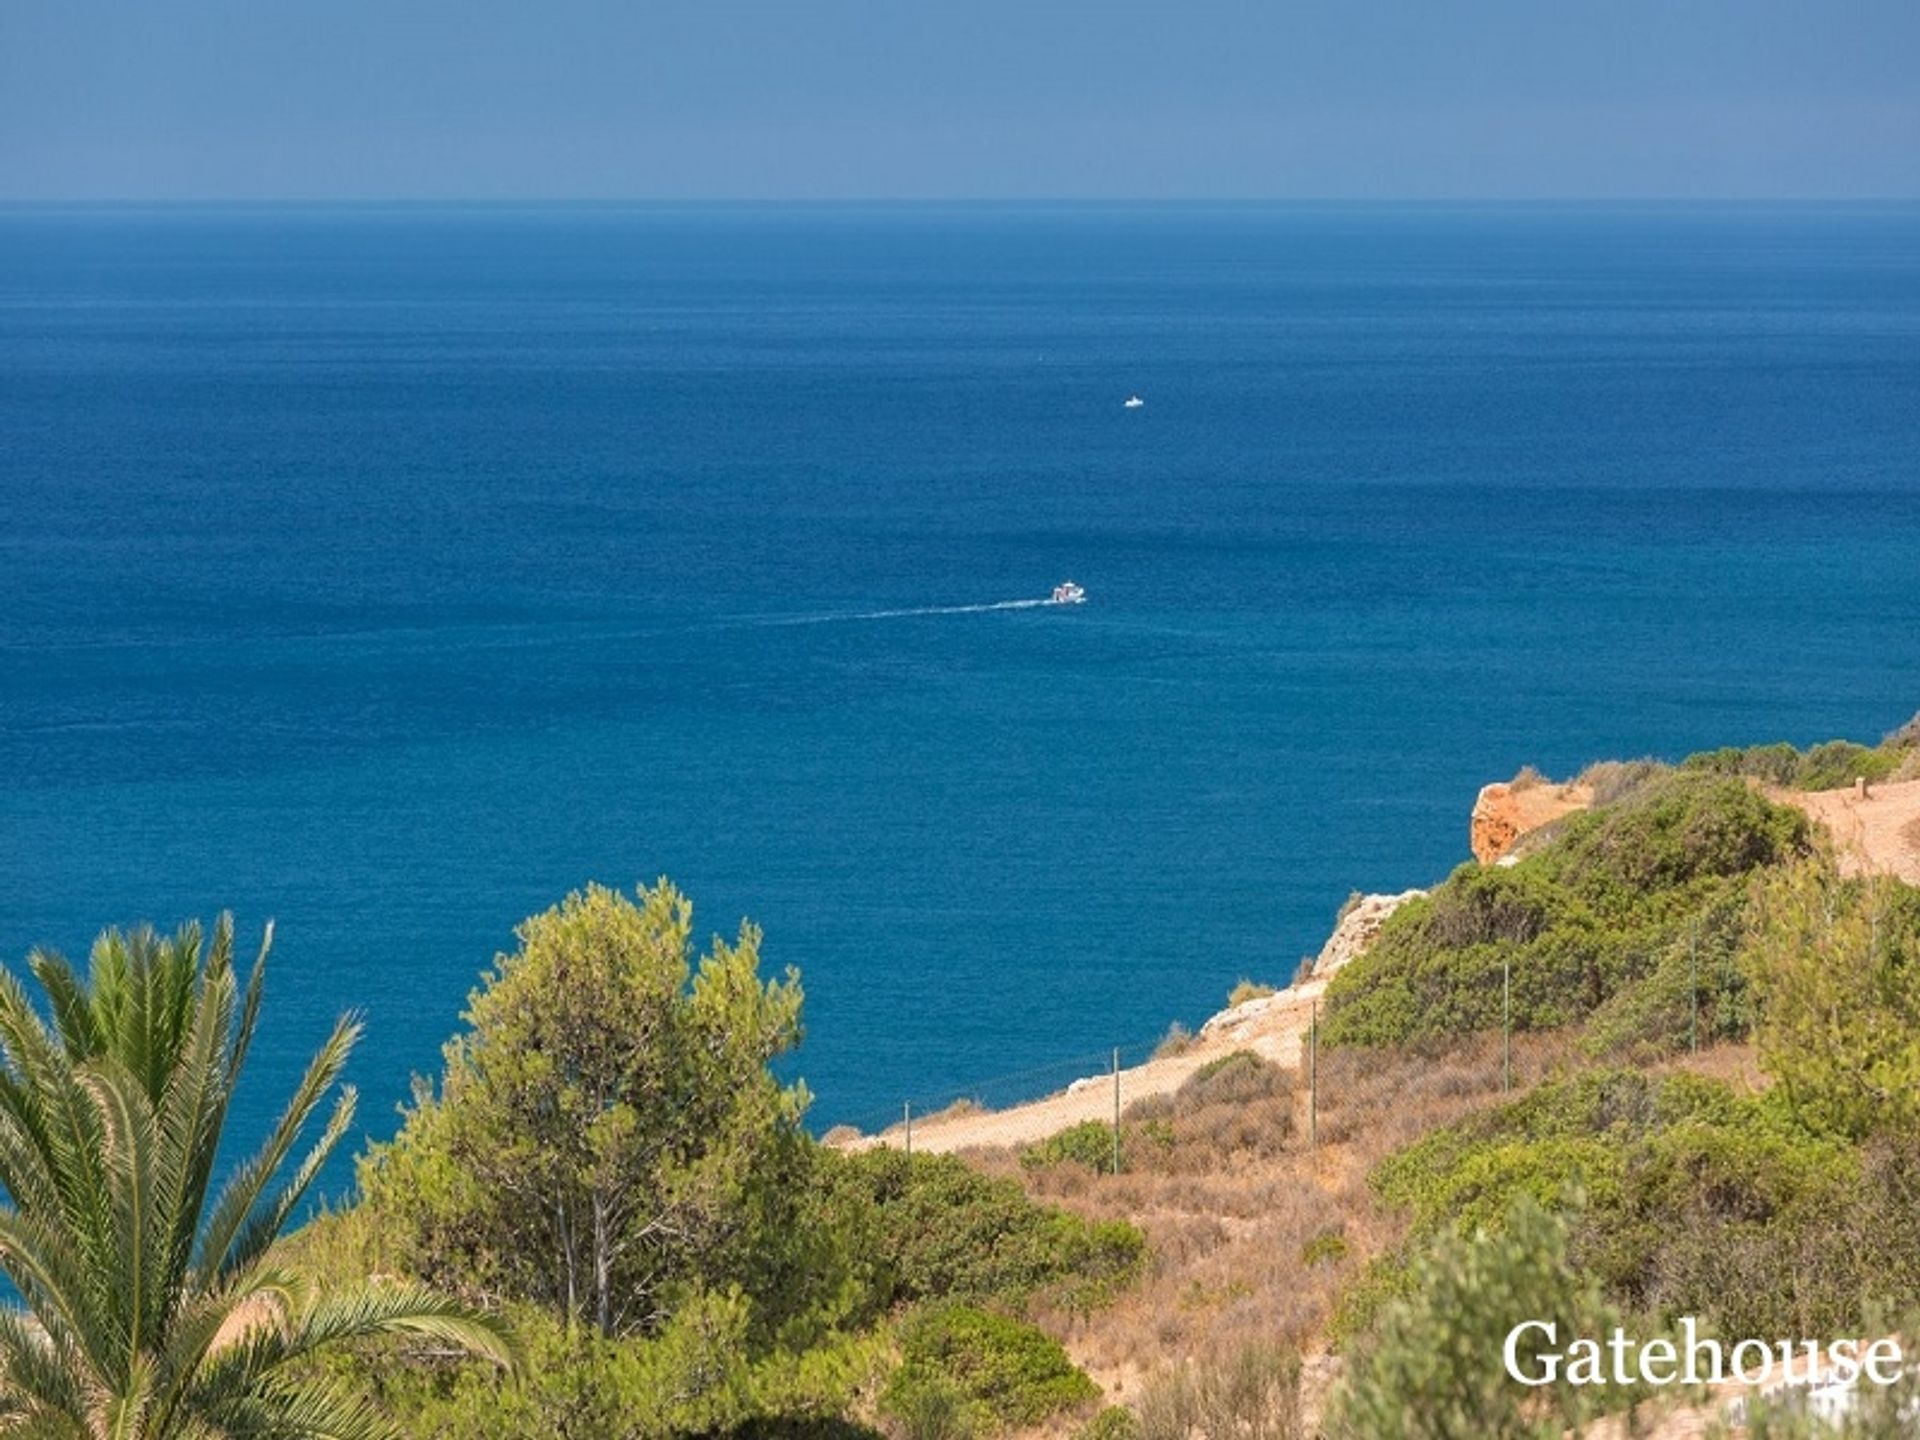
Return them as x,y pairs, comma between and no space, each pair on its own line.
1116,1109
1693,984
1313,1078
907,1110
1506,1026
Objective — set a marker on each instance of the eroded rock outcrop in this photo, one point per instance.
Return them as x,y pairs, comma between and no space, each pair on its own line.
1509,809
1358,926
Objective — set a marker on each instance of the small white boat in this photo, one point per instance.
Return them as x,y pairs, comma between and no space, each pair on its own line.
1068,593
1134,402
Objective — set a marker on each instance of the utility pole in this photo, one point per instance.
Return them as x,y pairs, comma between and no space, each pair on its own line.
1313,1078
1116,1109
1506,1026
1693,984
907,1110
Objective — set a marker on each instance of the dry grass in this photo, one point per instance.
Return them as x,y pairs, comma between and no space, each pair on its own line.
1614,780
952,1110
1248,990
1527,778
1177,1041
1254,1231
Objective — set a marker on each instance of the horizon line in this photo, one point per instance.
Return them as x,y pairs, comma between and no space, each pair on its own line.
904,202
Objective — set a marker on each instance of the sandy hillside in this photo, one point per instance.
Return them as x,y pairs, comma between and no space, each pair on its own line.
1277,1033
1877,835
1274,1027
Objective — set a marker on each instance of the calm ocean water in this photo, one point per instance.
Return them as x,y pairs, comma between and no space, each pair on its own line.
390,572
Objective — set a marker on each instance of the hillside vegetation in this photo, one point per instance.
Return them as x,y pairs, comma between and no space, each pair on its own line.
609,1161
1715,1098
1664,1064
1628,893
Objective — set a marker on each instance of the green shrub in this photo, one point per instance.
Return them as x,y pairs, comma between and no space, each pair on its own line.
1696,1200
1382,1281
1696,994
1089,1144
1115,1422
1432,1368
1673,833
1236,1078
930,1407
936,1229
695,1377
1582,920
983,1371
1829,766
1835,965
1248,990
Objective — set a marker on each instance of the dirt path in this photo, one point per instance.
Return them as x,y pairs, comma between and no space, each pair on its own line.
1274,1027
1877,835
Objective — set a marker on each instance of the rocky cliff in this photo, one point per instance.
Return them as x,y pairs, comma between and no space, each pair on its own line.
1509,809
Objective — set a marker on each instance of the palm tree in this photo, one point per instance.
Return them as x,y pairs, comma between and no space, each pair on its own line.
142,1314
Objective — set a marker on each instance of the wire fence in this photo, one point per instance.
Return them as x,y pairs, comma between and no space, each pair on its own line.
1113,1088
1010,1091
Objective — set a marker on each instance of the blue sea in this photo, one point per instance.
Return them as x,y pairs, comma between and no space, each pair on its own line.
391,571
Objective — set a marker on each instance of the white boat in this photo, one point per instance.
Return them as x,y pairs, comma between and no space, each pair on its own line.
1134,402
1068,593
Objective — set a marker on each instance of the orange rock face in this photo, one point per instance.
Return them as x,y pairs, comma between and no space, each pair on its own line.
1509,809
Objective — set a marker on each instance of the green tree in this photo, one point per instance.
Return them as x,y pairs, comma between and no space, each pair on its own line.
607,1135
1835,968
1433,1368
968,1371
142,1315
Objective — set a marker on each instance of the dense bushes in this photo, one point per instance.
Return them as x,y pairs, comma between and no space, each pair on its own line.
968,1371
1835,966
1694,1199
610,1159
700,1375
1089,1144
1824,767
933,1228
1828,766
874,1235
1430,1368
1592,913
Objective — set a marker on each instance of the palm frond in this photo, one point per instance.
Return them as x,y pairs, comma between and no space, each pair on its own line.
251,1181
69,1000
364,1313
270,1217
130,1149
145,1317
58,1285
37,1372
314,1410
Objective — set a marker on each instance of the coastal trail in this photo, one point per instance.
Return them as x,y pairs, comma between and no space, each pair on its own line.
1274,1027
1879,834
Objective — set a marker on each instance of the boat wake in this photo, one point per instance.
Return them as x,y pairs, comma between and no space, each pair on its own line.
833,617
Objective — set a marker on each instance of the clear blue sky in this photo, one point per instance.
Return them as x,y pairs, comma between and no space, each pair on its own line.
509,99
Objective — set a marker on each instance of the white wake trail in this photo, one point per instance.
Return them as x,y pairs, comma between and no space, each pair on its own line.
838,616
